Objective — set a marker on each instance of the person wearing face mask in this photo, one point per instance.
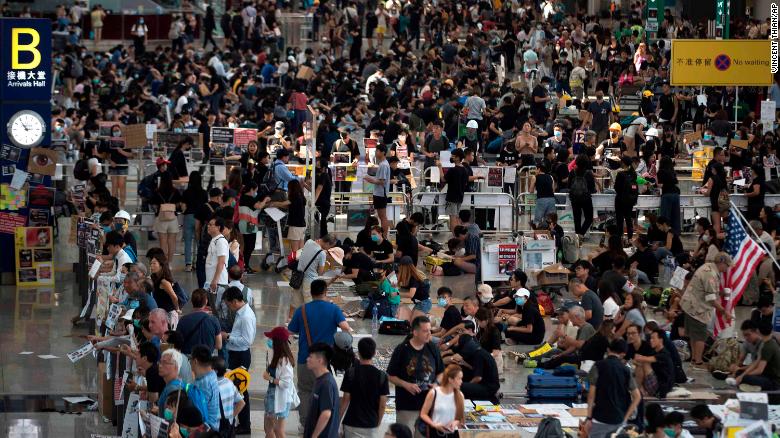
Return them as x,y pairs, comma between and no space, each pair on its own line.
189,420
281,395
526,327
673,426
121,225
383,251
601,113
757,191
539,98
346,144
139,32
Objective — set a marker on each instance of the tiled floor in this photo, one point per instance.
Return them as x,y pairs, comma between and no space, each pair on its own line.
38,321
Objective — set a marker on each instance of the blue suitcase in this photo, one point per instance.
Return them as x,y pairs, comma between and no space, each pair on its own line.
546,387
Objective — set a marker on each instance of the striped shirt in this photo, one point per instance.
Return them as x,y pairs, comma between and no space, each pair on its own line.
230,396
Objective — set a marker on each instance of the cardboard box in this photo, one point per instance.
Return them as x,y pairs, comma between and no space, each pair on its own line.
553,275
305,73
105,392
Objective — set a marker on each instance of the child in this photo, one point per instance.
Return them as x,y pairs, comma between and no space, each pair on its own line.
388,286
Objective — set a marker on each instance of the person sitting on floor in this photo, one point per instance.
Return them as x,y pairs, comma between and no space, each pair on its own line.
568,350
706,420
655,375
673,427
763,374
527,325
480,372
451,316
749,348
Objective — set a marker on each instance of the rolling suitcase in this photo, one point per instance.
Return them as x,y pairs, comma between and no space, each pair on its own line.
548,388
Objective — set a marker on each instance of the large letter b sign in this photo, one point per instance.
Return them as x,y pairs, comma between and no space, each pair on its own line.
17,46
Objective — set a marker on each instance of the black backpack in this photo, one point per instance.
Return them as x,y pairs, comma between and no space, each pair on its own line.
268,185
578,193
630,188
81,170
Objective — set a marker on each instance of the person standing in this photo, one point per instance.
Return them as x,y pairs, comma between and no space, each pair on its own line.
281,395
365,389
314,322
217,256
322,419
199,327
670,192
311,262
231,399
209,26
168,200
195,197
457,179
613,396
163,293
699,302
139,32
381,188
206,382
413,369
582,185
544,185
600,112
202,217
322,194
239,342
443,408
96,16
626,196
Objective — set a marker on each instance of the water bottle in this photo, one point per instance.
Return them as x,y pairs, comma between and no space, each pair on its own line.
375,321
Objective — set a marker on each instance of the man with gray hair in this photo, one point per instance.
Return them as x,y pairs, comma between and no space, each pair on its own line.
763,236
169,366
571,347
136,292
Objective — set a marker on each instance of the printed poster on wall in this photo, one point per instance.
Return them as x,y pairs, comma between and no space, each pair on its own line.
227,142
507,258
34,256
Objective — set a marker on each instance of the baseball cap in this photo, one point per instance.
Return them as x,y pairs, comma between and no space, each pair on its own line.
279,125
337,254
343,340
485,290
472,124
647,93
522,292
160,161
611,309
406,260
278,333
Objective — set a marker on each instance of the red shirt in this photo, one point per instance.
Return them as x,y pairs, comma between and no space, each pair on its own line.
299,101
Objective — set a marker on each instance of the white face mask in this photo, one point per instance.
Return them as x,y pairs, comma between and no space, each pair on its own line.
484,300
705,238
393,279
232,125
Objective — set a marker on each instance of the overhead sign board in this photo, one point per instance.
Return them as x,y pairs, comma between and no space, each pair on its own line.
721,63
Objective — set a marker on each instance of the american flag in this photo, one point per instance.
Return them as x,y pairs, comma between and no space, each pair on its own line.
746,254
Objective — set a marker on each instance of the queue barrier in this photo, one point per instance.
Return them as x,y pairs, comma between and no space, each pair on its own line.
691,205
502,205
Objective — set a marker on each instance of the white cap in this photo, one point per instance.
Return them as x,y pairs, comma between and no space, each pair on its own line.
522,292
121,214
611,309
485,290
279,125
472,124
652,132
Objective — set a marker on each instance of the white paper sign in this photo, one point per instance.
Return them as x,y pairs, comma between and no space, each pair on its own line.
95,268
130,425
510,174
220,173
83,351
435,175
20,177
444,157
768,110
275,213
113,314
678,278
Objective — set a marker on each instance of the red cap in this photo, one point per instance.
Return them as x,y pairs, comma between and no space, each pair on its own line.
161,161
279,333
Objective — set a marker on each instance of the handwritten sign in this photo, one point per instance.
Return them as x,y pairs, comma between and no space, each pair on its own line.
678,278
113,315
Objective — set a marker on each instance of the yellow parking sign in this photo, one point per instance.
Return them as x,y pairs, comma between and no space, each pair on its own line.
721,63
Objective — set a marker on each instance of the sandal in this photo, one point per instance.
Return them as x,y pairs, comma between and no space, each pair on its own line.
188,268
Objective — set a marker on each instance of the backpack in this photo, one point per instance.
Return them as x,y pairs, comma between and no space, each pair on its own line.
81,170
198,399
550,427
630,189
76,69
180,294
131,253
569,249
578,193
724,352
147,186
268,185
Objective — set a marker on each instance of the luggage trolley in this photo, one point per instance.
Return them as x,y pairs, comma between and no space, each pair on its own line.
275,256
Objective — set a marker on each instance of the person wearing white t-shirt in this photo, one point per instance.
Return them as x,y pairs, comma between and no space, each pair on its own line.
217,255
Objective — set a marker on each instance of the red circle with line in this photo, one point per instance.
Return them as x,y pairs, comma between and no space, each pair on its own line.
722,62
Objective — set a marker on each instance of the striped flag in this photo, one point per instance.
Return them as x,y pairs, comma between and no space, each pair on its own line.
746,254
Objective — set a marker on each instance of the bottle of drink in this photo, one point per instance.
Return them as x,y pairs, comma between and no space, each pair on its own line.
375,321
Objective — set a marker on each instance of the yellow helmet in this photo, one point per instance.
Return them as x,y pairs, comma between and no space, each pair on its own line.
615,127
240,377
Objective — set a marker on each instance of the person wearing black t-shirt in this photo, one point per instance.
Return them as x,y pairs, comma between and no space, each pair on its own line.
414,367
480,378
656,374
670,192
178,166
382,251
713,183
539,98
451,317
457,179
323,192
671,245
528,329
643,260
365,389
358,267
148,361
638,348
363,240
405,238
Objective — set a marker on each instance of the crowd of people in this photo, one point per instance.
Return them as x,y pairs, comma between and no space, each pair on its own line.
526,85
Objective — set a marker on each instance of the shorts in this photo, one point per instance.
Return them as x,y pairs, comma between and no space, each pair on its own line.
296,233
380,202
118,170
452,208
695,329
394,309
270,397
170,227
651,385
423,306
302,295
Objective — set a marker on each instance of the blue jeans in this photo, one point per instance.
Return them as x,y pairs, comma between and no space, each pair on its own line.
662,252
544,206
189,235
494,146
670,209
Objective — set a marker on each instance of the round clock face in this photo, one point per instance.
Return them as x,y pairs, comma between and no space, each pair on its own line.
26,129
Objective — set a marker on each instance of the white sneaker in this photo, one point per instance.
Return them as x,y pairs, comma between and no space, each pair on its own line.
749,388
731,381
